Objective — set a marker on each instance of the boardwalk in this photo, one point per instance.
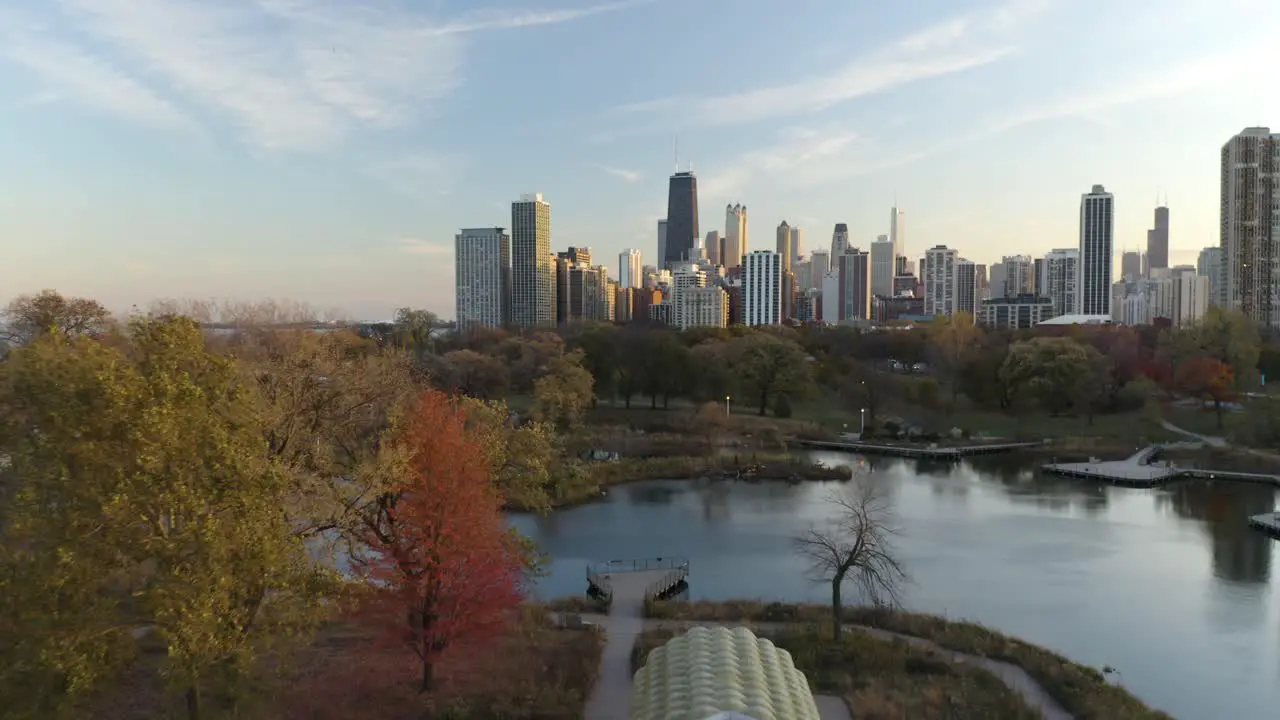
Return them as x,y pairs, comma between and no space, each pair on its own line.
932,452
1139,470
1268,523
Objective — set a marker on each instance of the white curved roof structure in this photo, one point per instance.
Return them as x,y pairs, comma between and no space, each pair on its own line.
721,673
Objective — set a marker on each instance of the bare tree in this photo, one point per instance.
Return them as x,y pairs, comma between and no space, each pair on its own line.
28,317
856,546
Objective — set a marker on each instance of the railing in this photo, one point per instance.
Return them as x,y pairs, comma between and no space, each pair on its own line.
638,565
668,582
601,585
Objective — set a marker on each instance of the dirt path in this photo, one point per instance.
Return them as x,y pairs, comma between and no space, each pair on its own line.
1014,677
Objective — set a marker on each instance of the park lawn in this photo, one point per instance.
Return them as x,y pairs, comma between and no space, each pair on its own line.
1132,427
1081,690
881,679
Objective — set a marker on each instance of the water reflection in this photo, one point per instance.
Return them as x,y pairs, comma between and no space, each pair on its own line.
1240,554
1024,483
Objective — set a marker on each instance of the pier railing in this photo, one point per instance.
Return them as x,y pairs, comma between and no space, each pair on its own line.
671,580
638,565
600,586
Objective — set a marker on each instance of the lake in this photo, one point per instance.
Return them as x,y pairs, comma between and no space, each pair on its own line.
1169,586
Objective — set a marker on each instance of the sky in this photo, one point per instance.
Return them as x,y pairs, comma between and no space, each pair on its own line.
327,151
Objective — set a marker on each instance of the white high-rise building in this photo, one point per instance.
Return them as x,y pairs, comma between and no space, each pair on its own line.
1097,235
1209,265
685,277
762,288
482,263
662,242
1179,295
882,258
533,272
705,307
1061,283
1250,226
898,231
940,280
735,235
630,270
1016,275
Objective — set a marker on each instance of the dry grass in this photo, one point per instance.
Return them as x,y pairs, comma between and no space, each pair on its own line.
1082,690
884,680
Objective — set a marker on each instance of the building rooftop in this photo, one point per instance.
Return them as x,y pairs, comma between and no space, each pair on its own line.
1078,320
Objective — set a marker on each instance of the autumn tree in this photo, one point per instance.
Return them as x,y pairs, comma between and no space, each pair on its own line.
520,456
951,342
528,357
28,317
1207,379
1053,370
445,568
147,504
660,363
325,402
474,374
768,366
564,393
602,357
856,546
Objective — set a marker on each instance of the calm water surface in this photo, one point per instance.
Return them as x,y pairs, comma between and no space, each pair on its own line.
1169,586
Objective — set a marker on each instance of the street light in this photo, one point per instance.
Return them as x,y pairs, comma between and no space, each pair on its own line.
726,404
862,413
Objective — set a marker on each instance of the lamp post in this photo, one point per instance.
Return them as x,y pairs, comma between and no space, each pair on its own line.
726,405
862,413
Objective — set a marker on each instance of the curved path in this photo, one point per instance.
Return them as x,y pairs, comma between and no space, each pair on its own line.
611,697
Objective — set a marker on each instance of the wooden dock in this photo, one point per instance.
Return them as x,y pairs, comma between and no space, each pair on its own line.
1139,470
649,578
931,452
1268,523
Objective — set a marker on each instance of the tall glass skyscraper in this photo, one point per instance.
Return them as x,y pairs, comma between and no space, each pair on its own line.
682,217
533,277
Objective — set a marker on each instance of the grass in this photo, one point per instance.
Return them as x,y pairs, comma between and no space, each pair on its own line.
579,604
1082,690
881,679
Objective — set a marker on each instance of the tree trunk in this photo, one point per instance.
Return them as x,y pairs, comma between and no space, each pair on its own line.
653,402
193,701
764,402
428,672
836,582
628,401
1217,408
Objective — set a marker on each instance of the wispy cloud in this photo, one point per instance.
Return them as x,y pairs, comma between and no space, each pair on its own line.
289,75
415,246
418,175
959,44
796,148
84,78
625,175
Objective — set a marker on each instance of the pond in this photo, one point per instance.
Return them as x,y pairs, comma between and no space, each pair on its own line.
1169,586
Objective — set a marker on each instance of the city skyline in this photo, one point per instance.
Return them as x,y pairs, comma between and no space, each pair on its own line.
314,151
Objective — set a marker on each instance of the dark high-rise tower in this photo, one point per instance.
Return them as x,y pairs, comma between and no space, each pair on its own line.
1158,241
682,217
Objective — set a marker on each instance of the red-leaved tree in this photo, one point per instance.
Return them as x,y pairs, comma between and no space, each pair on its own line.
1207,379
444,567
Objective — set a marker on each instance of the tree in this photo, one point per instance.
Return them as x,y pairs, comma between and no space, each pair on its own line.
1053,370
864,389
28,317
147,503
529,357
1207,379
856,547
477,375
445,568
768,366
520,457
951,341
562,395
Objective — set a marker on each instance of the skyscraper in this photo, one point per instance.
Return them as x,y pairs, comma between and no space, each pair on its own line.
1158,241
784,245
715,247
762,288
1097,233
1209,265
629,268
898,231
1131,263
735,235
682,216
797,243
882,267
482,260
939,278
839,242
662,243
533,280
1062,281
1250,246
966,287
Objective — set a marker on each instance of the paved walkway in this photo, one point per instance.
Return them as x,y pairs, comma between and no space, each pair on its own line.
1206,439
1132,469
